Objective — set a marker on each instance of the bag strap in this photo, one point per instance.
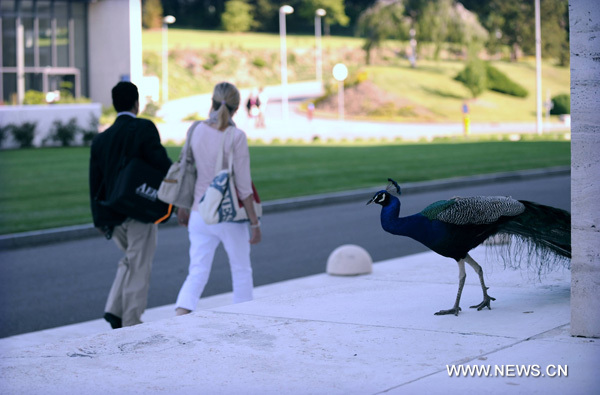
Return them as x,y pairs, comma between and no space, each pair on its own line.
186,151
230,161
220,154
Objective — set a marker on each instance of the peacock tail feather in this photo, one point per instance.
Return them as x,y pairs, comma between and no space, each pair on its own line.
541,237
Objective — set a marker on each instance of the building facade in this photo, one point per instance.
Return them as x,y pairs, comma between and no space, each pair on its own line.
83,46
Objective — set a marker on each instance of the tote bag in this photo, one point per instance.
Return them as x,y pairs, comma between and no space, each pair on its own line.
135,193
220,202
177,188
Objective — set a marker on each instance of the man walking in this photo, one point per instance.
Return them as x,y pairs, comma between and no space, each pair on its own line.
131,137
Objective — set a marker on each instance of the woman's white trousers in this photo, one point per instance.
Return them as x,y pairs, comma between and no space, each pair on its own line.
204,240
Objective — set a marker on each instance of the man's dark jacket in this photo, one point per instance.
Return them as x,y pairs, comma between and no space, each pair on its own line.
136,138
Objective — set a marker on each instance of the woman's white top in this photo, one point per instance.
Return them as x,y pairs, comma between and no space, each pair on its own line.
206,143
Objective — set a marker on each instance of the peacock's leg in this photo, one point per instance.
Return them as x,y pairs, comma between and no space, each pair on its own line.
486,298
462,275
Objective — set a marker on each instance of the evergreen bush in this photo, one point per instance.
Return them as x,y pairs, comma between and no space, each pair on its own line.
474,76
561,104
24,133
65,133
499,82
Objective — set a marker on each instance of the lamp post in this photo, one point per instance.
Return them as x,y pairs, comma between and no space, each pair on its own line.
167,20
319,51
340,72
283,10
538,68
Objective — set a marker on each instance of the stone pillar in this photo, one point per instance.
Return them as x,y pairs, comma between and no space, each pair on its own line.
584,20
114,46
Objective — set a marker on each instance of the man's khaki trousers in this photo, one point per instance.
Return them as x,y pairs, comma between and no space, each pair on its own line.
128,295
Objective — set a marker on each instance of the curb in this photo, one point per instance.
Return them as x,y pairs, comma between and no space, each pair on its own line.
69,233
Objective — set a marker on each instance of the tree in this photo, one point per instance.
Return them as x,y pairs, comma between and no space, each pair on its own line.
466,29
237,16
448,21
334,8
383,20
152,14
515,22
433,23
555,30
265,13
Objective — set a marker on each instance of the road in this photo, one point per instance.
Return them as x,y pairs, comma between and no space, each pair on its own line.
64,283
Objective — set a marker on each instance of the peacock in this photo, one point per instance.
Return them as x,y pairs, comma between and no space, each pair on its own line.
454,227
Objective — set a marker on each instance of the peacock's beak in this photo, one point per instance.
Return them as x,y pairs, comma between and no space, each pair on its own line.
371,201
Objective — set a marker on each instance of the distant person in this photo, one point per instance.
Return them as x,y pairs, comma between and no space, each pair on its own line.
129,292
263,99
204,239
253,106
310,109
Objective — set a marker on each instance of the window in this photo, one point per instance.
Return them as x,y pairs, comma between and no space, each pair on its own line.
46,40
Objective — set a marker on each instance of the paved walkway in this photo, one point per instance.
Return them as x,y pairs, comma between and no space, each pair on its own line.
329,335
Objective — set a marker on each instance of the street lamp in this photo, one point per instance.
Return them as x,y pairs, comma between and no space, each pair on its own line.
286,9
340,72
319,51
167,20
538,68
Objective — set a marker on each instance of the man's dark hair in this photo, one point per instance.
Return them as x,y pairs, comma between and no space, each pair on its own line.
124,96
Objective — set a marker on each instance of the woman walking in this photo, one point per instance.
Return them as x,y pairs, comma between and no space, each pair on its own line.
206,141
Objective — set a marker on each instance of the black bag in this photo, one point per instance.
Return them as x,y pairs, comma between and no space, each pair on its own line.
135,193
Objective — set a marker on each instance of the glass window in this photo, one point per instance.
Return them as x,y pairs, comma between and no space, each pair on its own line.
7,6
62,34
45,42
26,8
9,42
33,82
9,87
29,40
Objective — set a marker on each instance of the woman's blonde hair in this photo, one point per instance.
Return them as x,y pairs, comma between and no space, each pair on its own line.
225,102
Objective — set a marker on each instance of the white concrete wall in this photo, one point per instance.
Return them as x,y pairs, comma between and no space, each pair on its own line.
584,18
44,116
115,45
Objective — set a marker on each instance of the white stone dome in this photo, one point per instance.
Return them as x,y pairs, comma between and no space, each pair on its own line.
349,260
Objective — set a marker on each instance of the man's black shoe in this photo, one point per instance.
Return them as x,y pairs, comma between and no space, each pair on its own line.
114,321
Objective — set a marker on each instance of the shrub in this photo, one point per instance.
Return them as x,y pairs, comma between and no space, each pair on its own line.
561,104
24,133
87,135
500,82
4,131
211,61
65,132
151,109
259,62
34,97
474,76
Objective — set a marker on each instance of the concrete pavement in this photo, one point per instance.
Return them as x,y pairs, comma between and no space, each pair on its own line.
336,335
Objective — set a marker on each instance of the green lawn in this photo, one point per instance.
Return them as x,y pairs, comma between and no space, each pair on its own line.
218,40
46,188
432,86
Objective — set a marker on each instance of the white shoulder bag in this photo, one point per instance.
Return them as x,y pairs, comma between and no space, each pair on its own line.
220,202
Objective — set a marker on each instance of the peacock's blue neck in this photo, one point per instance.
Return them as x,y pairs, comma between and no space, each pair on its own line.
414,226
